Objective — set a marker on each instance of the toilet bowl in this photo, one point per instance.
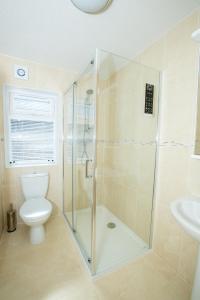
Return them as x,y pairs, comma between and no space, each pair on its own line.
36,209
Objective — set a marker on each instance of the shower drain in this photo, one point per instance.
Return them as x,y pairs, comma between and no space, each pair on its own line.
111,225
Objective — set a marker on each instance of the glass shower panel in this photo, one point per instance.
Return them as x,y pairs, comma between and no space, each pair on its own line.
110,130
126,152
84,153
68,184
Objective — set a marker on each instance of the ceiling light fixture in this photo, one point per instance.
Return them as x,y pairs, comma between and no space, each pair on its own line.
92,6
196,35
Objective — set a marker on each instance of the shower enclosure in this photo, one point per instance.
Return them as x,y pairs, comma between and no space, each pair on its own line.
110,130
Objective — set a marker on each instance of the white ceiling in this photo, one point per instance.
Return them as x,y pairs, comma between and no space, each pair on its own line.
54,32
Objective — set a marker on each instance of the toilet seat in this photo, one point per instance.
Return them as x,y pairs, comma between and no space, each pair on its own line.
35,209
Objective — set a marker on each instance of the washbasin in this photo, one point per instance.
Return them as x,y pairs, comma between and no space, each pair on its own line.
187,213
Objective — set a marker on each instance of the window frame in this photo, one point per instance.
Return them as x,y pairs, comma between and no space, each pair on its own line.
8,114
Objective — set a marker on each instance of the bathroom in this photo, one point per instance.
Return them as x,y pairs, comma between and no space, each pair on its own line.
115,166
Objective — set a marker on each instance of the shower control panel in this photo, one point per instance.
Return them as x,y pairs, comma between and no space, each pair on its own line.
149,93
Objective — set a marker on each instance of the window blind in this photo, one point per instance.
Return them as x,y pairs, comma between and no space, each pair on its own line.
31,141
30,124
31,105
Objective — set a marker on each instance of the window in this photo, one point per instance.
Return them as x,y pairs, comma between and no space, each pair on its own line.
30,127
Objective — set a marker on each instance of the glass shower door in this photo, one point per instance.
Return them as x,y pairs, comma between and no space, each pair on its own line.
83,166
81,139
68,129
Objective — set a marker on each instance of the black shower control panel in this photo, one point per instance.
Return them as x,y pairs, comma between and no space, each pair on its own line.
149,92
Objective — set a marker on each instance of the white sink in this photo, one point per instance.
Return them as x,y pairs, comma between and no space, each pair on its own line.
187,213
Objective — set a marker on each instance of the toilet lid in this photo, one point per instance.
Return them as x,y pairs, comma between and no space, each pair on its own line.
35,208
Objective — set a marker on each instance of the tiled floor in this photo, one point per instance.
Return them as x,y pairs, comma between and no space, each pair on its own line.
54,270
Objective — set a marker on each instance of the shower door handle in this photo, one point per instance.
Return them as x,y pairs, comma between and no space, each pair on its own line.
86,168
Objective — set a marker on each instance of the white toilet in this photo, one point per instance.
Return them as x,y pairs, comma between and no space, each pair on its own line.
36,210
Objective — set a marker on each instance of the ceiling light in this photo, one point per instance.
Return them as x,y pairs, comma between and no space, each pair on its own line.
92,6
196,35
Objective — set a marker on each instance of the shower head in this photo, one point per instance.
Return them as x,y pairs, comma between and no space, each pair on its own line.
89,92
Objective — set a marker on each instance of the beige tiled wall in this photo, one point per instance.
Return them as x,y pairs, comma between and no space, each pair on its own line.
126,143
176,55
41,77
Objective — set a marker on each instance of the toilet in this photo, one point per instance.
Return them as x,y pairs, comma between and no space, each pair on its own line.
36,209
